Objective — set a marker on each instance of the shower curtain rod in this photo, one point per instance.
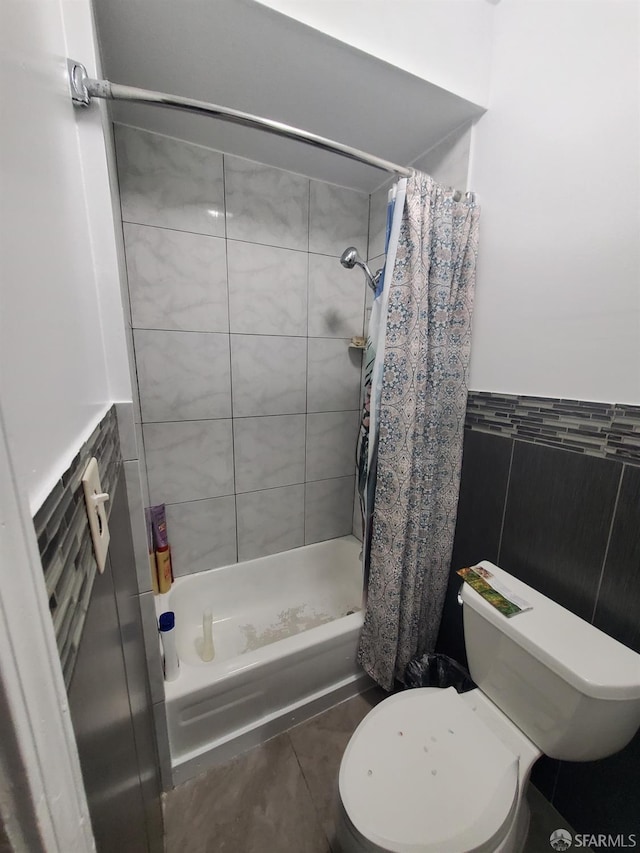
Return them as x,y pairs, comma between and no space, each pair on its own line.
83,89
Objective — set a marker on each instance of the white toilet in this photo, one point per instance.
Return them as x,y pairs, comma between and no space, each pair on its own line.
434,771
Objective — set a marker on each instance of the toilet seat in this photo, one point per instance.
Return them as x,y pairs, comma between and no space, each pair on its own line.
423,774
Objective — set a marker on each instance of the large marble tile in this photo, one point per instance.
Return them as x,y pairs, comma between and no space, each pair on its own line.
133,376
270,521
269,452
338,218
132,481
127,431
328,509
601,796
618,602
334,369
378,222
486,461
544,820
257,803
183,375
202,534
266,205
319,745
177,280
267,289
572,497
189,460
142,462
268,375
331,444
168,182
336,299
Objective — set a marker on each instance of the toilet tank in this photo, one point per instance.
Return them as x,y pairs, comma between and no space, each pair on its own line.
573,690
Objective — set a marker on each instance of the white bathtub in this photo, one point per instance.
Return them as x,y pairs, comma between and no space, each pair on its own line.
285,631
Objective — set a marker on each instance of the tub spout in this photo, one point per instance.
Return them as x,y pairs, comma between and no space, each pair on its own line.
207,650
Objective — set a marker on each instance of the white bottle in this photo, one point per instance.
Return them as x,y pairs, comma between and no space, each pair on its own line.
207,652
167,625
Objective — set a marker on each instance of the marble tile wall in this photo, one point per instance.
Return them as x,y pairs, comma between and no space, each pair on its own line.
241,317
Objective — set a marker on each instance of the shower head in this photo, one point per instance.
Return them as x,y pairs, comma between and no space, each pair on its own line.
350,258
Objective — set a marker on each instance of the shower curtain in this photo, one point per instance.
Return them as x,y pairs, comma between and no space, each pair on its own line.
417,420
367,450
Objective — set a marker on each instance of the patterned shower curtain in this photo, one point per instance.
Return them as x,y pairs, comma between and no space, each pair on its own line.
367,449
422,410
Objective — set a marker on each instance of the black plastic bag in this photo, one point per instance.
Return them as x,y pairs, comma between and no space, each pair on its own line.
433,670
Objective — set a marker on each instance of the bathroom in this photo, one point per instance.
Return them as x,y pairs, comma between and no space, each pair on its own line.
234,397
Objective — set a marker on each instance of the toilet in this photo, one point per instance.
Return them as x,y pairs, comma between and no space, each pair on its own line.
433,771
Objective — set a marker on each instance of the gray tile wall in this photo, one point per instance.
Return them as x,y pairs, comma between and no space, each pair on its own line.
241,317
550,490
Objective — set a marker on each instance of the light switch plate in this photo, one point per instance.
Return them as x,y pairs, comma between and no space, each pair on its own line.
95,500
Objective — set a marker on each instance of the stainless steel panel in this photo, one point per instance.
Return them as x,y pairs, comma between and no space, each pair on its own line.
111,707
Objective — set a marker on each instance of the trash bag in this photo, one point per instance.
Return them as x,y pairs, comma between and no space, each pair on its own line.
433,670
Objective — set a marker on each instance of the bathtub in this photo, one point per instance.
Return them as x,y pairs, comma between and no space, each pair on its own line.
285,630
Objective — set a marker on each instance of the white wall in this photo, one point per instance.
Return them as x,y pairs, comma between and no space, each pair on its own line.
555,161
62,346
447,42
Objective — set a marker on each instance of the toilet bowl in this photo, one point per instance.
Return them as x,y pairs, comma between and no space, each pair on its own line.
433,771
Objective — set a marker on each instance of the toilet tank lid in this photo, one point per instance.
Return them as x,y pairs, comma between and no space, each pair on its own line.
587,658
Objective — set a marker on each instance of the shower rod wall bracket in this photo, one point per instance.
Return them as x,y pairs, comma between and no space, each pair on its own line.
77,83
83,89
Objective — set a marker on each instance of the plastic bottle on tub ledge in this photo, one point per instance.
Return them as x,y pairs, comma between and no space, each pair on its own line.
163,551
207,650
167,625
153,566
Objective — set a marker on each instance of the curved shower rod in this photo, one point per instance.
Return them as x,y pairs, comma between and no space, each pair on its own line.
84,88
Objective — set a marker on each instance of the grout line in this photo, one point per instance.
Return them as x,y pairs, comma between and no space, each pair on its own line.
142,456
239,334
306,402
606,550
308,215
263,489
233,438
249,417
122,228
369,230
309,791
178,230
230,239
506,497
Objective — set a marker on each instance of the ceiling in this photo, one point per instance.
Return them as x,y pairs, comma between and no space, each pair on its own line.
243,55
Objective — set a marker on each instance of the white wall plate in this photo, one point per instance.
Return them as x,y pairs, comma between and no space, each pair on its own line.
95,500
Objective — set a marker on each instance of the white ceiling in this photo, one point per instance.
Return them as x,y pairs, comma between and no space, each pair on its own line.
240,54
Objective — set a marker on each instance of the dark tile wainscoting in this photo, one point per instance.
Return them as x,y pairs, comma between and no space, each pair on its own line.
550,491
64,539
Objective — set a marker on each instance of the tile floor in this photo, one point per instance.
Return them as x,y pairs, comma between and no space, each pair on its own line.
279,797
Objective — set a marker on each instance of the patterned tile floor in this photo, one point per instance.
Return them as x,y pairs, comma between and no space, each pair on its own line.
279,797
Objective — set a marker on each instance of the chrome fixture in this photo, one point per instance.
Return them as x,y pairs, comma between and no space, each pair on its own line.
83,89
350,258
